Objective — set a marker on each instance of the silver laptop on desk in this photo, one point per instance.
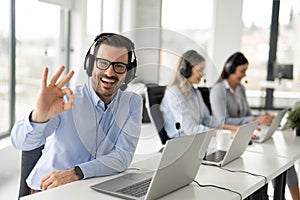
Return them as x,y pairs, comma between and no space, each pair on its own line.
267,132
178,167
236,148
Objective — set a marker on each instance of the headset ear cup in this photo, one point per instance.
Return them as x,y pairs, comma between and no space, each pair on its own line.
186,70
131,71
89,64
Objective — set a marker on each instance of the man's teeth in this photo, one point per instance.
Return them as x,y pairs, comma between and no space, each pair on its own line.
108,80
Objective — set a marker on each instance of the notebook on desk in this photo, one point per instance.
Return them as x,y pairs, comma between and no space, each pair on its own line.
178,167
267,132
236,148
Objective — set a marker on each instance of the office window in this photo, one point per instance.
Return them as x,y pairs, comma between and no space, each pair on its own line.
287,53
4,60
255,39
185,25
255,46
37,46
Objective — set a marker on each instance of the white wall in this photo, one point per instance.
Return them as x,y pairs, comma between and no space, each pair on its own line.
141,21
227,30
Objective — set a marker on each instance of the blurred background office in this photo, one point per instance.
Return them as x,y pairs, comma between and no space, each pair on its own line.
39,33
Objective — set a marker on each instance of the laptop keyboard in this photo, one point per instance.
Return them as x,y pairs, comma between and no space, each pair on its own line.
138,189
216,156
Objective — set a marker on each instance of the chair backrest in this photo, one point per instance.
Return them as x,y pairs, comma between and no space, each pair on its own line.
205,94
29,159
154,94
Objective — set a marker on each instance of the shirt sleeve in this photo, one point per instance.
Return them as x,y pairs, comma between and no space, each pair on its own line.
26,135
120,158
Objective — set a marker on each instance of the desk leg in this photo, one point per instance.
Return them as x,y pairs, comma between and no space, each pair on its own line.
279,189
260,194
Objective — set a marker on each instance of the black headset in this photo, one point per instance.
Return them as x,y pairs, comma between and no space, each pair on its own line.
186,67
90,58
230,65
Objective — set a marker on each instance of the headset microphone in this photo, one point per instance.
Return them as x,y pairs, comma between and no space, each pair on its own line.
246,81
177,125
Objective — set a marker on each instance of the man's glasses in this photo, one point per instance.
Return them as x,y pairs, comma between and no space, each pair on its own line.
103,64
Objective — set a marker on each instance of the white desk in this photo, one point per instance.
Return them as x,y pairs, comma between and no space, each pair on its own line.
80,189
261,164
256,162
243,183
282,143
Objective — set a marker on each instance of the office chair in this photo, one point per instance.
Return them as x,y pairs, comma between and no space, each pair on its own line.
28,161
205,94
154,94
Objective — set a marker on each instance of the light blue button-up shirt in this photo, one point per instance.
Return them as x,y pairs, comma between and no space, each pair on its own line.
192,113
100,141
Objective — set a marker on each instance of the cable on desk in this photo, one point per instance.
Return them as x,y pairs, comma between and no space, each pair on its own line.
258,175
219,187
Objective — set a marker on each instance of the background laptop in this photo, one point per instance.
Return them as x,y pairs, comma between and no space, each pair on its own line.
236,148
266,132
178,167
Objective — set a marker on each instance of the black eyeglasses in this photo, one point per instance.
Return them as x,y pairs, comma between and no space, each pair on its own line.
103,64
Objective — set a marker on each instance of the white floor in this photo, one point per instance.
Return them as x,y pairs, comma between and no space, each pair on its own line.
9,172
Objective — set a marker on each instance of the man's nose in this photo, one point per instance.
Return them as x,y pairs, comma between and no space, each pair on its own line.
110,70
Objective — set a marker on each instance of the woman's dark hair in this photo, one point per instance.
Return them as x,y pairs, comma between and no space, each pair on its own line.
232,63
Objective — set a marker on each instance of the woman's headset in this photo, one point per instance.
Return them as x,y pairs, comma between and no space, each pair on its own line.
231,65
90,58
186,67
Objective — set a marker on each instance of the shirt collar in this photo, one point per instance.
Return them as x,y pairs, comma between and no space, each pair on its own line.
227,86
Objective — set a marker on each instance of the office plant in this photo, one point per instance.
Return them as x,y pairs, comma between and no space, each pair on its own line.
294,118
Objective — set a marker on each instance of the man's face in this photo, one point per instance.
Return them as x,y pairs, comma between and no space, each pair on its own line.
106,81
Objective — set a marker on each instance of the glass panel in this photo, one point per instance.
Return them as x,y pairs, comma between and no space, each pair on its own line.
4,75
255,46
287,91
188,21
37,34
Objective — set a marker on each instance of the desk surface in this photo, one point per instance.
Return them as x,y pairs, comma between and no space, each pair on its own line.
282,143
261,164
258,159
80,189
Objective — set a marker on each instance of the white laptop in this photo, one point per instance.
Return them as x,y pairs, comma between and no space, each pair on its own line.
178,167
236,149
267,132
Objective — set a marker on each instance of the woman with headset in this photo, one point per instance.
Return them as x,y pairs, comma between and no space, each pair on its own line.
229,104
228,97
183,103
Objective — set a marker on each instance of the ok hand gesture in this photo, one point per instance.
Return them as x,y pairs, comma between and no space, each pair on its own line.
50,101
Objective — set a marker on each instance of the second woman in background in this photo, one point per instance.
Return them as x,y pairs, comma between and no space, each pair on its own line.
229,105
183,103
